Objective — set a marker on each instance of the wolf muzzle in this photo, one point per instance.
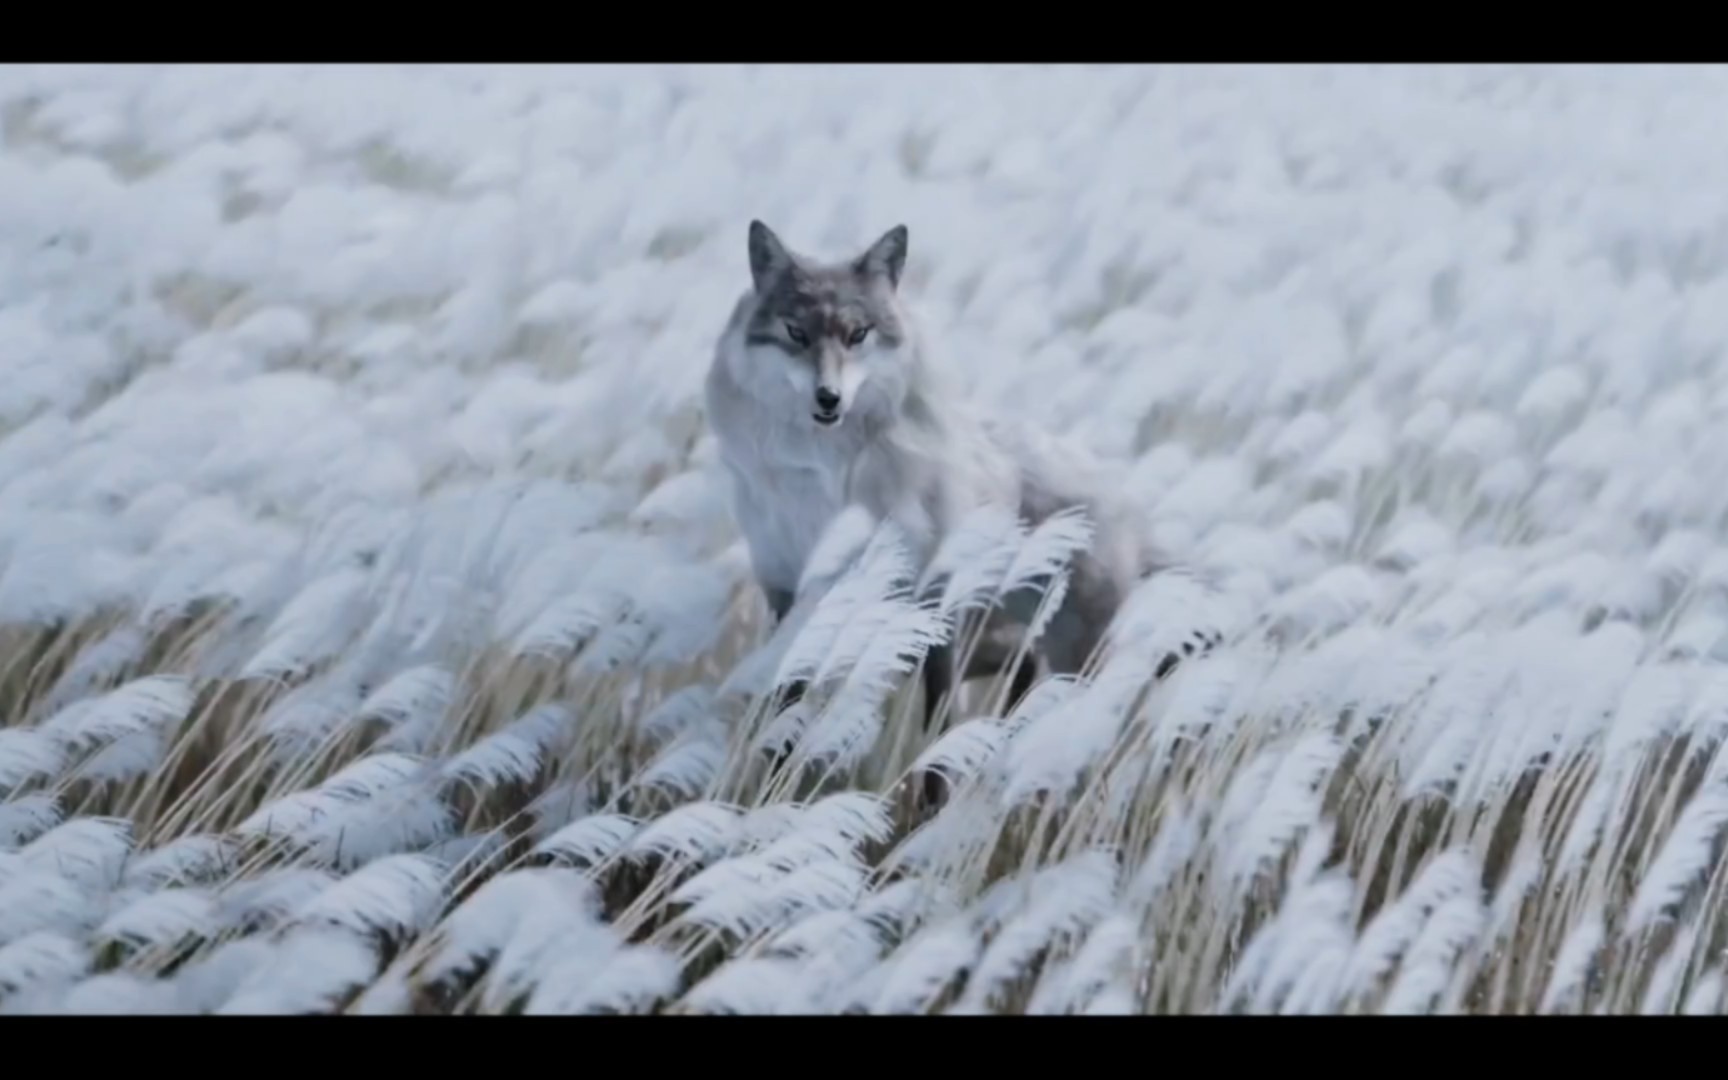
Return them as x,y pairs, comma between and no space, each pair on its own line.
827,405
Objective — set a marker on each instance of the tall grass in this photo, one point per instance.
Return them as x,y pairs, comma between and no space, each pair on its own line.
374,637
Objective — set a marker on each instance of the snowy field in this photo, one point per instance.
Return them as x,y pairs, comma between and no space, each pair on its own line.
374,635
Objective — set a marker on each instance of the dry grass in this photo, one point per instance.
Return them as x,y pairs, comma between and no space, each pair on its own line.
1206,858
374,638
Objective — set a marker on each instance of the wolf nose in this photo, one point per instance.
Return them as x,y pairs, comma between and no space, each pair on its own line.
826,399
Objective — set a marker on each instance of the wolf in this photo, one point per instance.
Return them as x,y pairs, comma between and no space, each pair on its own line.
822,394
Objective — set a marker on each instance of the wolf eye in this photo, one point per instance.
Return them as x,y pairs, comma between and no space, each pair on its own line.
856,337
796,333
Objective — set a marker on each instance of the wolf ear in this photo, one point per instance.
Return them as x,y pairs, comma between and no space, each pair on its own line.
768,256
886,257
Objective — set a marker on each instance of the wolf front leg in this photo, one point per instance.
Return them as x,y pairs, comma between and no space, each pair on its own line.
938,680
779,602
939,683
780,605
1020,684
995,647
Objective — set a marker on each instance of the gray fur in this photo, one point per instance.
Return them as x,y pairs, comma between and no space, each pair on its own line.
904,445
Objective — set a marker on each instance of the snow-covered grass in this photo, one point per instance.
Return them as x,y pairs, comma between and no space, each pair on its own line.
374,636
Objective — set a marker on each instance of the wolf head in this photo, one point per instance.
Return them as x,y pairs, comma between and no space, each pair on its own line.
832,335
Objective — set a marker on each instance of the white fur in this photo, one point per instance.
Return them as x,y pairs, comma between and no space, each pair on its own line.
853,376
791,476
907,450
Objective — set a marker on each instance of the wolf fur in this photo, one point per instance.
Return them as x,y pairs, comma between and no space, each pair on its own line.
821,395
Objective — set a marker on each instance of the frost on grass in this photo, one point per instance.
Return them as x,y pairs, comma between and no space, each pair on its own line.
24,819
411,704
473,934
511,755
41,957
375,634
1063,902
392,896
141,708
555,944
160,920
309,971
591,839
